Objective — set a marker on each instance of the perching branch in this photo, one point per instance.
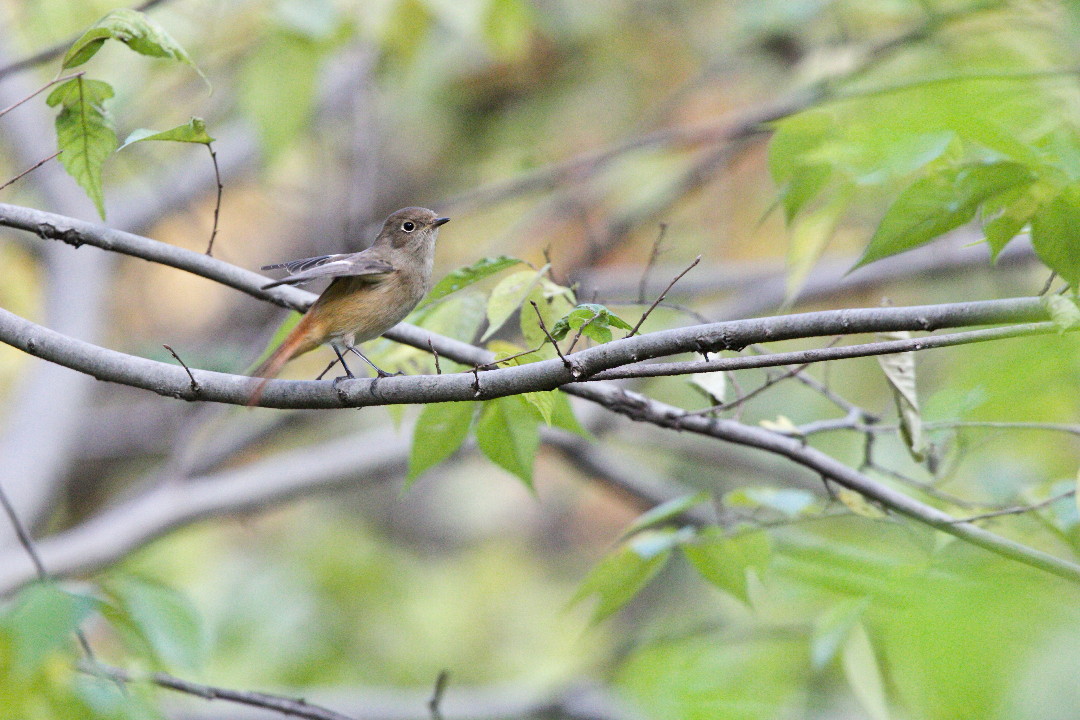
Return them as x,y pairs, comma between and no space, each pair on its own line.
171,380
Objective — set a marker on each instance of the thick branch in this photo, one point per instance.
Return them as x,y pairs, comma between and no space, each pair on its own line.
119,530
640,408
173,381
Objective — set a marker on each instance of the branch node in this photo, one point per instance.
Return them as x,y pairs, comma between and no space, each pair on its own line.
476,381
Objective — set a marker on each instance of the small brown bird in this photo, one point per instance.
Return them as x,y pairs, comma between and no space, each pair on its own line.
372,291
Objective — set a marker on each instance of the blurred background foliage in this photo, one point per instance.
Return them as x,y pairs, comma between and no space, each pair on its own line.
331,113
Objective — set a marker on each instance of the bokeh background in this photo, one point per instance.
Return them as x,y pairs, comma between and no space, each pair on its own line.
575,134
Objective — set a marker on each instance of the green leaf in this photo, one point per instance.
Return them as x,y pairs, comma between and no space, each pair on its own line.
939,202
1063,311
159,619
620,576
1014,214
508,296
43,619
724,561
509,434
786,501
553,301
543,402
665,512
831,628
193,131
863,673
810,235
84,132
135,30
463,277
1054,235
440,431
562,416
593,320
900,371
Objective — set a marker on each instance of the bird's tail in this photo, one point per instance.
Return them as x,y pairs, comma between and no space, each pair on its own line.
295,343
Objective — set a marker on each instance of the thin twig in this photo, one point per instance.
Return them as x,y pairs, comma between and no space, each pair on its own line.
652,261
1049,282
217,203
437,694
39,567
286,706
31,169
24,537
194,383
566,363
824,390
1020,509
1072,429
888,347
870,464
790,373
40,90
660,299
494,364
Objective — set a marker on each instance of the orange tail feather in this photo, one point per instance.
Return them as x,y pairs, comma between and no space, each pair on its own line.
296,343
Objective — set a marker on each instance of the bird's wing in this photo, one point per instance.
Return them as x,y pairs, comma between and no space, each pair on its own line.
349,265
296,266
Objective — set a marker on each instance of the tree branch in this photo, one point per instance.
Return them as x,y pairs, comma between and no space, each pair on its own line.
119,530
174,381
640,408
805,357
277,703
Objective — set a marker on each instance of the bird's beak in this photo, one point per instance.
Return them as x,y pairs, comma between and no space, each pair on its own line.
439,221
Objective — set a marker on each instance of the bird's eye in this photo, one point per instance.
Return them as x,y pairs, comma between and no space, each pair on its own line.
408,226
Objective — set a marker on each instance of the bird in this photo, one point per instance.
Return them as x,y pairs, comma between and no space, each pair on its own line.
371,291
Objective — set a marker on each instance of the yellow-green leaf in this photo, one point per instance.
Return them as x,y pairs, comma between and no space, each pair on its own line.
84,132
193,131
132,28
440,431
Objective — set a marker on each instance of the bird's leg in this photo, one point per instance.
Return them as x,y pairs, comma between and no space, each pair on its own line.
341,359
382,373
